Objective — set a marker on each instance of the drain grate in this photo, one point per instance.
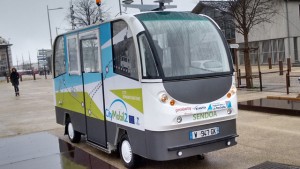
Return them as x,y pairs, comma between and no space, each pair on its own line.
271,165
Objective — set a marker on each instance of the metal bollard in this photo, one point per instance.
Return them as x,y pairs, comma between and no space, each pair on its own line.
280,68
239,78
33,74
288,61
45,73
289,79
270,62
260,81
21,78
287,86
7,79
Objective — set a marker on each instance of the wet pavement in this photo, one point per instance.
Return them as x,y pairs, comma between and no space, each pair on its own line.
45,151
276,106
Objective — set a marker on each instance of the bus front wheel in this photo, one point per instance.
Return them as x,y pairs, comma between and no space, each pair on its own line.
74,135
128,157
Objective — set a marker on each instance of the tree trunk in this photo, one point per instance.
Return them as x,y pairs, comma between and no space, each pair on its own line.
248,68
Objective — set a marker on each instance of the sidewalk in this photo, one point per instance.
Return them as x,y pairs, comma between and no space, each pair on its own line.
272,81
32,111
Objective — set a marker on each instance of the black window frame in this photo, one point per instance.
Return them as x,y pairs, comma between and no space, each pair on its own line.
54,57
113,52
151,44
82,57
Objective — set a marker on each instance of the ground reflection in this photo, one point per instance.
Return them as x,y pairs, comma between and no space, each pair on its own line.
276,106
43,150
73,157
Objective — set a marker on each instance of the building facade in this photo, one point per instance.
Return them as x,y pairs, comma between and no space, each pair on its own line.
279,39
225,22
5,57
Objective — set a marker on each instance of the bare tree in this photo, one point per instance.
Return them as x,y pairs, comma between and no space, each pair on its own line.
247,14
86,13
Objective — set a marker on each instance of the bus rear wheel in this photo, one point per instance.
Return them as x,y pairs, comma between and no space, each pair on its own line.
128,157
74,135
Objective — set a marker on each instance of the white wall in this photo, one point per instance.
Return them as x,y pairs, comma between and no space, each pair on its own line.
294,18
278,27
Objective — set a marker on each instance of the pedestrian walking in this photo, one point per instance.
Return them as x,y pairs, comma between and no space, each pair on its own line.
14,79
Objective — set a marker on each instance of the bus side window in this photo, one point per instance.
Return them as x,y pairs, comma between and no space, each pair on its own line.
124,56
73,56
148,64
89,49
59,57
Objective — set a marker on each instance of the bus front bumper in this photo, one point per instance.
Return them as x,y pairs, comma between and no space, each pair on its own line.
169,145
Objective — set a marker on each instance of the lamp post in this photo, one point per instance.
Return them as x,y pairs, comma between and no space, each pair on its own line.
51,9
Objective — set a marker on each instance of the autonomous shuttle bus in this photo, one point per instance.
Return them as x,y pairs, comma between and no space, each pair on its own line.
158,85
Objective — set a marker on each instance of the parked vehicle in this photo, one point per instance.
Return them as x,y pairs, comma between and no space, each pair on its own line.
165,91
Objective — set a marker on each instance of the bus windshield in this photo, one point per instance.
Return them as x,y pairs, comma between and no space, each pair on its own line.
186,44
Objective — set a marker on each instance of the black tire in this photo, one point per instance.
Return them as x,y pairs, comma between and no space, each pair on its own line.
200,157
129,159
73,135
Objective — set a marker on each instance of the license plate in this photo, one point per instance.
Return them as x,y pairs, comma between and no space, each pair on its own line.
204,133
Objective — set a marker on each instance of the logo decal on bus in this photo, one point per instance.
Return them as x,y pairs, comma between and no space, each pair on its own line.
132,97
118,111
183,109
199,108
206,115
219,106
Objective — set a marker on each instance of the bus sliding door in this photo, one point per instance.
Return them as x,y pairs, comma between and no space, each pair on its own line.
92,87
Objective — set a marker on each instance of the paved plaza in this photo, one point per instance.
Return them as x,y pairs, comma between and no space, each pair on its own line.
262,136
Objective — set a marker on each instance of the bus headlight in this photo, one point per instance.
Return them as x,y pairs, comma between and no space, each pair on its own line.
172,102
228,95
163,97
229,111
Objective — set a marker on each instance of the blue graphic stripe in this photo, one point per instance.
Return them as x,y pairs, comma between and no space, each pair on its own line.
67,81
91,77
191,135
107,65
105,33
118,100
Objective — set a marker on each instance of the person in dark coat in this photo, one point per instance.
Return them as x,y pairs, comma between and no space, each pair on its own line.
14,78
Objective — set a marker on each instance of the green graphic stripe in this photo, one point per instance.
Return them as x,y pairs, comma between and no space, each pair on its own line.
92,109
73,102
133,97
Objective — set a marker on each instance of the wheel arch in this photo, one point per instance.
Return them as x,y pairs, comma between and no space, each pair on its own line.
136,138
67,119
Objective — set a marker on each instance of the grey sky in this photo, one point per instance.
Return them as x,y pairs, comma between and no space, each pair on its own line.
25,24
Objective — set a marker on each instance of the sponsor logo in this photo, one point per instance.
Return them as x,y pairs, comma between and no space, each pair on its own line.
183,109
206,115
118,111
228,104
199,108
130,97
219,106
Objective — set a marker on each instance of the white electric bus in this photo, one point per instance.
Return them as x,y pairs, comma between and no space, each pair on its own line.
158,85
